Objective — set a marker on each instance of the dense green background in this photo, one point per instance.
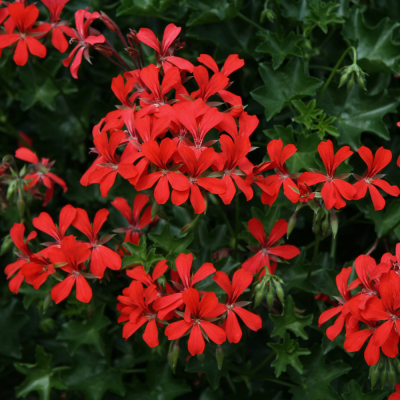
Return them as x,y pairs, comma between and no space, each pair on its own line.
73,351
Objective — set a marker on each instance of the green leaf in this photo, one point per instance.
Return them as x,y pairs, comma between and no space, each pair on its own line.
308,113
314,382
91,375
290,321
209,368
144,8
356,113
283,86
78,333
280,48
287,352
378,49
40,377
13,318
211,11
296,9
167,242
323,15
356,393
307,147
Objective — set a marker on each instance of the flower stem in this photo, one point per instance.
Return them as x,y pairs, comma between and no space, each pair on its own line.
250,22
259,366
334,71
315,254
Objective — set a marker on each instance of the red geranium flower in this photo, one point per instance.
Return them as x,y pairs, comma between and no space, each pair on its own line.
132,215
165,51
102,257
370,179
23,18
396,395
197,320
334,186
139,274
240,282
42,172
267,251
74,254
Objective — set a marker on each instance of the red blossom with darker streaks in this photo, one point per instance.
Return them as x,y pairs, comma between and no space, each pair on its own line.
240,282
23,18
183,263
371,178
73,254
136,221
195,168
279,154
335,187
135,306
41,174
57,27
86,37
13,270
46,224
198,314
102,256
161,155
267,251
165,50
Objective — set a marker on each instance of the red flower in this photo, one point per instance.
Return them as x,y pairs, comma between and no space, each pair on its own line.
42,172
267,251
183,265
161,156
135,307
195,167
305,193
197,316
247,124
74,254
240,282
106,167
102,257
86,37
279,154
57,26
139,274
334,186
370,179
165,51
231,64
233,155
150,77
136,223
45,224
23,18
17,236
207,86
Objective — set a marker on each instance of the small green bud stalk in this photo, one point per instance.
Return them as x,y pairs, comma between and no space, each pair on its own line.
269,287
173,354
352,73
385,369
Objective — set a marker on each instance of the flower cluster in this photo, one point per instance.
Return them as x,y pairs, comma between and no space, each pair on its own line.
369,307
65,253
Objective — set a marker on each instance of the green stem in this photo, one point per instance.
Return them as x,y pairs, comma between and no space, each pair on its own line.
333,247
249,21
315,254
334,72
237,219
259,366
223,213
279,382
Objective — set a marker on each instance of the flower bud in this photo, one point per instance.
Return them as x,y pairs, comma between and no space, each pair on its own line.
108,22
291,225
391,373
374,374
279,291
350,83
334,223
325,226
173,354
21,207
270,295
259,293
219,354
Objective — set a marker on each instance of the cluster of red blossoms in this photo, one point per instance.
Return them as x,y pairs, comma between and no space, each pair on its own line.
373,312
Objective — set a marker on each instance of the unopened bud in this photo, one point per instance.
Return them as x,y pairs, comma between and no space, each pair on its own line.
132,35
108,22
219,354
21,207
259,293
103,50
325,226
361,81
350,83
334,223
270,296
374,374
279,291
173,354
391,373
291,225
384,374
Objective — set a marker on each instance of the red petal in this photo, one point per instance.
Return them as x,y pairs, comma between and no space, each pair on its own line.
257,230
196,343
251,320
62,289
83,289
356,340
150,335
214,332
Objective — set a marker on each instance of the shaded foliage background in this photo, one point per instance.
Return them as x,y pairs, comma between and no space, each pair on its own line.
75,351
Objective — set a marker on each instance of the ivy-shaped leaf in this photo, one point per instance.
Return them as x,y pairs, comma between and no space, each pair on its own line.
314,382
91,375
148,8
283,85
377,48
308,113
166,241
290,321
356,393
287,352
323,14
356,112
78,333
280,48
40,377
